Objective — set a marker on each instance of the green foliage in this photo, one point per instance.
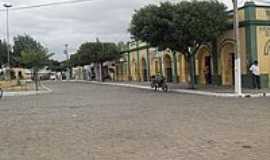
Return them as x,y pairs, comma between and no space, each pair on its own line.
155,25
56,66
3,53
34,59
183,27
90,52
179,26
122,46
26,43
75,60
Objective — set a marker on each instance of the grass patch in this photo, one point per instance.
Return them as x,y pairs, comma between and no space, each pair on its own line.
15,85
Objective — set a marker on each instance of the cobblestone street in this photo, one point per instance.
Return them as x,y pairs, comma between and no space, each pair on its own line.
80,121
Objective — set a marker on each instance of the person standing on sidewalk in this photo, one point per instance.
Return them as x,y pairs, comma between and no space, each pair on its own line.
255,70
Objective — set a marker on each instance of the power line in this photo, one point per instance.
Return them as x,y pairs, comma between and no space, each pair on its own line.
47,5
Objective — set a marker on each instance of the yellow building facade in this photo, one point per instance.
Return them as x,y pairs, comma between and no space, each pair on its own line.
214,63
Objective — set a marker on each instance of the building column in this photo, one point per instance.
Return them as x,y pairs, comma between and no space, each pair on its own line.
148,65
175,73
251,40
162,68
216,79
138,62
129,66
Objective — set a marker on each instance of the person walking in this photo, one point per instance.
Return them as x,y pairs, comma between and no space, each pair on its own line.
255,70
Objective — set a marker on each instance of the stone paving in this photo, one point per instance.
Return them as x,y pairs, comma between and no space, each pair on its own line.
81,121
207,88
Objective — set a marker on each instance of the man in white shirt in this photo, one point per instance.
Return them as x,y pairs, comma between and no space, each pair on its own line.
255,70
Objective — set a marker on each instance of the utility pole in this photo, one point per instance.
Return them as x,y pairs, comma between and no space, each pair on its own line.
237,70
68,64
7,6
66,51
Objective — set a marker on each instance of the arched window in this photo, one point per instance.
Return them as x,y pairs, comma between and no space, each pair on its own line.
267,48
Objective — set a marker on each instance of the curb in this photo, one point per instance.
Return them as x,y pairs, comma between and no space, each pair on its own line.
183,91
28,93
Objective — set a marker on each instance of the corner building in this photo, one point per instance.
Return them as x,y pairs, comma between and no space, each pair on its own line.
141,61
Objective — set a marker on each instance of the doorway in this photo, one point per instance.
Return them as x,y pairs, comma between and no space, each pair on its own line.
144,70
207,70
168,68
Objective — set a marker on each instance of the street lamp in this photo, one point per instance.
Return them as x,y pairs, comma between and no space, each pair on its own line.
237,62
7,6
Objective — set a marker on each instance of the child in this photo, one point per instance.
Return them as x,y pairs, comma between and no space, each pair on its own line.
255,70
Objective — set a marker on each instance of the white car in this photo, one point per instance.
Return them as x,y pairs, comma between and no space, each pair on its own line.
53,77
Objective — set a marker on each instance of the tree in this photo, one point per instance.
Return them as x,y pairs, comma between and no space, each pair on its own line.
35,60
122,46
25,43
56,66
96,52
75,60
3,53
182,27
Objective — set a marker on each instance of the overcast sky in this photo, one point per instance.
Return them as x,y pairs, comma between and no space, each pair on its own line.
73,24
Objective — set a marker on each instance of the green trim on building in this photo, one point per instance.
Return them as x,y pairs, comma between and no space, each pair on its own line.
265,81
137,48
247,81
247,4
129,64
129,70
251,33
247,23
138,62
215,57
254,23
148,64
251,39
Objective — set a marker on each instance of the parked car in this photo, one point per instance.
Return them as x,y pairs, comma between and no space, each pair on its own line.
53,77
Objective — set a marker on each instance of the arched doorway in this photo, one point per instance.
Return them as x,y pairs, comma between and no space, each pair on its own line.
144,69
227,57
168,68
157,68
204,66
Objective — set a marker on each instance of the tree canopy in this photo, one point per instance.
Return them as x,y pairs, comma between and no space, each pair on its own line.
35,59
31,54
95,52
179,26
183,26
26,43
56,66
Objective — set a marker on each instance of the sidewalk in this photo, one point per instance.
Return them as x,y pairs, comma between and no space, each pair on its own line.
43,90
215,91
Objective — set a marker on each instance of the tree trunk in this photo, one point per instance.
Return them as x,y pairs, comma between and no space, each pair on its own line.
101,71
192,71
36,79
